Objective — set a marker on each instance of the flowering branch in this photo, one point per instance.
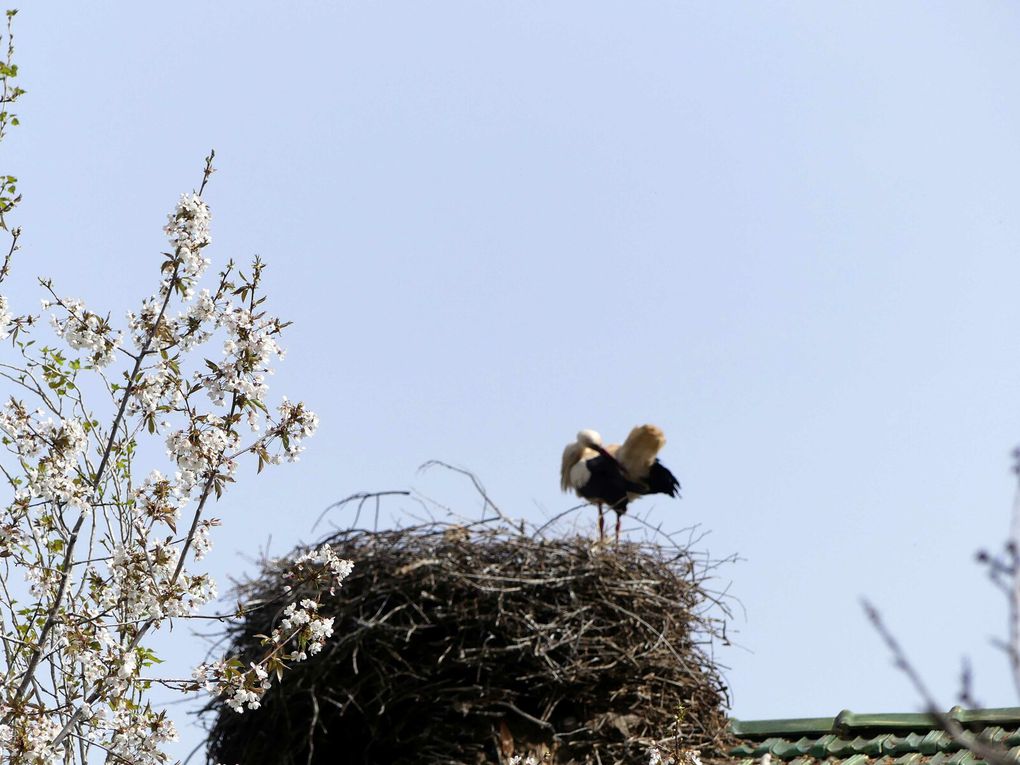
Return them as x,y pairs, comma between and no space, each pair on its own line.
65,566
92,561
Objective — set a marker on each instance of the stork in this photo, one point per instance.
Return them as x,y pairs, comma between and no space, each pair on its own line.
595,475
617,474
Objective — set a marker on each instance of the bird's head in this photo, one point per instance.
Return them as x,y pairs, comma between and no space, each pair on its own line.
592,440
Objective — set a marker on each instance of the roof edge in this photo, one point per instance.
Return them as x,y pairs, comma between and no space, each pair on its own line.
847,721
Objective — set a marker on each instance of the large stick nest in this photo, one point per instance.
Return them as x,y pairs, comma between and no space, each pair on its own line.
466,644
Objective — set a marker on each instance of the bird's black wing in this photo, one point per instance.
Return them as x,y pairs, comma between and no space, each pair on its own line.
607,483
661,481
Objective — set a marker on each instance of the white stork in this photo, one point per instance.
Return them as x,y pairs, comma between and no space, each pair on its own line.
617,474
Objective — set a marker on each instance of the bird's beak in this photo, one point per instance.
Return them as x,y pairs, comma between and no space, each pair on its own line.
604,453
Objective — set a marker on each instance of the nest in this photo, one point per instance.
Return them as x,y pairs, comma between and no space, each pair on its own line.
467,644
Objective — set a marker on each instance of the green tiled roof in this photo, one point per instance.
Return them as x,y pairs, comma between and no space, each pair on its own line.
871,739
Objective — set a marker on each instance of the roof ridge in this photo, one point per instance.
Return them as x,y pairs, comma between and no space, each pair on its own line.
846,722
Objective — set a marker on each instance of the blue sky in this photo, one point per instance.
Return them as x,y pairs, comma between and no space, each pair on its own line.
786,232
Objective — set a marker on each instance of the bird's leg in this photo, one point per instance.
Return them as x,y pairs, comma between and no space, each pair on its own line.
602,523
619,520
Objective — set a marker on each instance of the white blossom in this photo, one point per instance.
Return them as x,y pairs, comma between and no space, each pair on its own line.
50,450
143,324
659,756
202,543
5,318
157,388
194,326
158,499
326,557
84,330
200,451
187,229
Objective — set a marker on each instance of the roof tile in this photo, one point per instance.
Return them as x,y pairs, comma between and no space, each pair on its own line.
872,739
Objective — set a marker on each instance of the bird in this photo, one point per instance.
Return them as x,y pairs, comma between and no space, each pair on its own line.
617,474
592,473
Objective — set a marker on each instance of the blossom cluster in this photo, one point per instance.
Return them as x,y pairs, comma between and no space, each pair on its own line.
675,752
200,451
87,331
125,734
134,736
242,689
659,756
195,325
187,228
251,343
157,500
296,424
302,623
49,449
158,391
147,323
27,739
144,583
301,632
5,318
331,566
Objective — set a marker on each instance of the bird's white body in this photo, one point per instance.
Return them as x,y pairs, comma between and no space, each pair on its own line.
574,472
579,474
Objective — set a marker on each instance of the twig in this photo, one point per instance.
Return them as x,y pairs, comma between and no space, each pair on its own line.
487,502
361,498
985,749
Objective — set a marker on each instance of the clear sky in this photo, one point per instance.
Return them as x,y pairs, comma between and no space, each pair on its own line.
786,232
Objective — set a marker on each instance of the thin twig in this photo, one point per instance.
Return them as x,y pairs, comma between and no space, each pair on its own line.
984,748
361,497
